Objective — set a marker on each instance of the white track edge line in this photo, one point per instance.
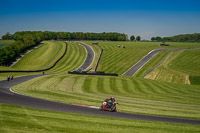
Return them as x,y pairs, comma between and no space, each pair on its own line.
145,63
139,61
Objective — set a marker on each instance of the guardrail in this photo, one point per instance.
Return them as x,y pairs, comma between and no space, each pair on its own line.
93,73
98,60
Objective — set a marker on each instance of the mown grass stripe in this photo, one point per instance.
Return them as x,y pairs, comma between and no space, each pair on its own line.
78,85
72,50
113,86
137,87
125,86
87,84
73,59
107,87
100,85
93,85
151,88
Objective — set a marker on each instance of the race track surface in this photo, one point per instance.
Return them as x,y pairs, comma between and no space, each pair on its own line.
90,56
141,63
9,97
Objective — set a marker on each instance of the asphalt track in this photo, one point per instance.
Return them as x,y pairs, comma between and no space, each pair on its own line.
90,56
9,97
142,62
131,71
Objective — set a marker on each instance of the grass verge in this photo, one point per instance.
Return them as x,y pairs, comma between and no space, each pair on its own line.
19,119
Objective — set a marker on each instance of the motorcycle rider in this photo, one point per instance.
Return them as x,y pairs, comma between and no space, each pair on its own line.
110,101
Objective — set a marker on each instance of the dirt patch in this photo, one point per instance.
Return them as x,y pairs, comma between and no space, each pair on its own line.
187,79
152,75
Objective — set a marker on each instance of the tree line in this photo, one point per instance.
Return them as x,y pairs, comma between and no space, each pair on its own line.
179,38
27,39
48,35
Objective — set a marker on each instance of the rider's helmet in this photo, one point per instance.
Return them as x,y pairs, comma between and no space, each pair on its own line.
112,98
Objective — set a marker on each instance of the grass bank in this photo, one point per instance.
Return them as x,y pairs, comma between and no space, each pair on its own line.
135,95
46,55
180,67
21,119
74,57
41,58
118,60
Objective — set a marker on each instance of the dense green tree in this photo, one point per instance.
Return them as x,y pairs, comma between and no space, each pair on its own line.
121,38
158,39
60,35
196,37
67,36
28,40
138,38
132,38
153,39
7,36
39,36
184,38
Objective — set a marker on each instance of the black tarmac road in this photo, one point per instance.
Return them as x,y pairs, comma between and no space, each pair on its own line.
90,56
142,62
10,97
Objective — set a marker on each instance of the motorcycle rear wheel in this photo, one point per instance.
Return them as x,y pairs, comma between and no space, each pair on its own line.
101,108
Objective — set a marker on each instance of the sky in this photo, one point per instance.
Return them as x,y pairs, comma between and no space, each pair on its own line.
145,18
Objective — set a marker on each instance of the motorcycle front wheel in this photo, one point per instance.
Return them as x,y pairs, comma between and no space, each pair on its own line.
112,109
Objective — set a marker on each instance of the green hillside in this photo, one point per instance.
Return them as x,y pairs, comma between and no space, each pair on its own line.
119,60
133,94
188,62
45,56
74,57
41,58
180,67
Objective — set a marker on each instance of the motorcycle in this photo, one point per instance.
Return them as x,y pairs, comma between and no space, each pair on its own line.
108,106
